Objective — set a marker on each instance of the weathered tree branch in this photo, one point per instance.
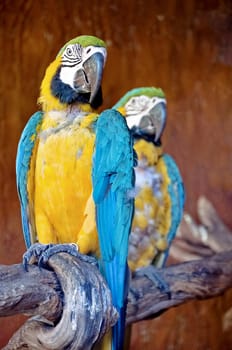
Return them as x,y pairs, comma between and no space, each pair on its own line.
195,241
36,292
73,305
198,279
87,309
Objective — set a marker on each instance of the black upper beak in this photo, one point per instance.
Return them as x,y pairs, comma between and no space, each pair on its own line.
88,79
159,116
153,124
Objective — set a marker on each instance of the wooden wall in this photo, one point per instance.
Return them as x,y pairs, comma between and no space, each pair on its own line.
185,47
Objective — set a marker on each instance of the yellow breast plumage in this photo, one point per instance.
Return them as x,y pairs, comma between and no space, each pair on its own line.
152,206
63,178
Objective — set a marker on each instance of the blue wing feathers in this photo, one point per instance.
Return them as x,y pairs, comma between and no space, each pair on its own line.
113,178
23,158
177,193
177,196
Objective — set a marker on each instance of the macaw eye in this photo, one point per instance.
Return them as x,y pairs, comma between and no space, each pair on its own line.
89,49
154,99
72,55
69,51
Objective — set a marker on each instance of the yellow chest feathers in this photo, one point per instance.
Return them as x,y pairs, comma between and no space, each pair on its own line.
63,175
147,152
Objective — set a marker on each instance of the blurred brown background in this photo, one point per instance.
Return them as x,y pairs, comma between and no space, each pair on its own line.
184,47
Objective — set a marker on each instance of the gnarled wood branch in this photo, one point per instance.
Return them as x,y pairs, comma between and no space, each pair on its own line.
86,314
195,241
198,279
74,303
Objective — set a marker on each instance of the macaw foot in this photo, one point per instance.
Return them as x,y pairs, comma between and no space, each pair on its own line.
153,275
41,253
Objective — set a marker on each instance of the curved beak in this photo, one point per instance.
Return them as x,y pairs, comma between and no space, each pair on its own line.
154,122
158,117
88,79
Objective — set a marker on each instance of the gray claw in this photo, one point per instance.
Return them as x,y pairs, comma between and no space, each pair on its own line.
34,253
41,253
153,275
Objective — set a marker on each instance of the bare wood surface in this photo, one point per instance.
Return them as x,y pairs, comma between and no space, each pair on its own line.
34,293
87,301
198,279
195,241
219,236
87,307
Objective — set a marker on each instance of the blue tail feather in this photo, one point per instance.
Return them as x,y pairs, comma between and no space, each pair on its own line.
113,262
113,177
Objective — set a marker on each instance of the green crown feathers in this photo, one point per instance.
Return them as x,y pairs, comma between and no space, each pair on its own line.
147,91
83,40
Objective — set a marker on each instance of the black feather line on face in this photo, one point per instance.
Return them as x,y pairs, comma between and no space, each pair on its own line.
138,135
66,94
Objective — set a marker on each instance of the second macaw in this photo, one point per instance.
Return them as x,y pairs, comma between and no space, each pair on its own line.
59,151
159,190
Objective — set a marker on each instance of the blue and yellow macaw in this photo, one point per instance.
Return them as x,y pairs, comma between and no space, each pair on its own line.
60,149
159,191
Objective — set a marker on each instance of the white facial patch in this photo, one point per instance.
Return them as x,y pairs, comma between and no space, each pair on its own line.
72,55
139,106
73,58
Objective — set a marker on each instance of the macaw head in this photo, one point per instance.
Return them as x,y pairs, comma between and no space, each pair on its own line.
145,112
76,73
